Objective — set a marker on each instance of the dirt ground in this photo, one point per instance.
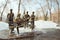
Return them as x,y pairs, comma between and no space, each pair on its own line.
47,34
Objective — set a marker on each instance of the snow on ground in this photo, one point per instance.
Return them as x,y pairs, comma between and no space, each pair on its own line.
3,26
44,24
38,26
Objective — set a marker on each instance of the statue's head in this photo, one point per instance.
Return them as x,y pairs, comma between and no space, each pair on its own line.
27,12
11,10
18,15
33,12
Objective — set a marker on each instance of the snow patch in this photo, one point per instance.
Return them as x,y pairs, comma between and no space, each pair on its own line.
39,25
4,26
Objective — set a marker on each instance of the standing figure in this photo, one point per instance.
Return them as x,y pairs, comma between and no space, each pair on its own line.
27,17
18,21
10,17
32,20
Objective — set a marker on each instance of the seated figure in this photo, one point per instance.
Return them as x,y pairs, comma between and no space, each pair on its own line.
18,22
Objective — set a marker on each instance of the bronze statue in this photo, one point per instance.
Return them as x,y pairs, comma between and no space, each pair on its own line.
32,20
27,17
24,19
18,22
10,17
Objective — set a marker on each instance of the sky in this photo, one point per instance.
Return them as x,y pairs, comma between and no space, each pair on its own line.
27,5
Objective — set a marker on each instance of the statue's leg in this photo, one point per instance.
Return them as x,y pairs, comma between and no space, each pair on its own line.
18,30
32,23
27,23
24,24
12,29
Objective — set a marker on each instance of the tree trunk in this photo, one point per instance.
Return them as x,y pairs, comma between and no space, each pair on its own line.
19,6
4,9
58,12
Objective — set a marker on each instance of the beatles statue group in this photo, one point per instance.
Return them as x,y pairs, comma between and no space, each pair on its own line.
20,22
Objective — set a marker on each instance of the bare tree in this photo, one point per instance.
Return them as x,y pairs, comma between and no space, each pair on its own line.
45,15
4,9
19,6
58,11
49,7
